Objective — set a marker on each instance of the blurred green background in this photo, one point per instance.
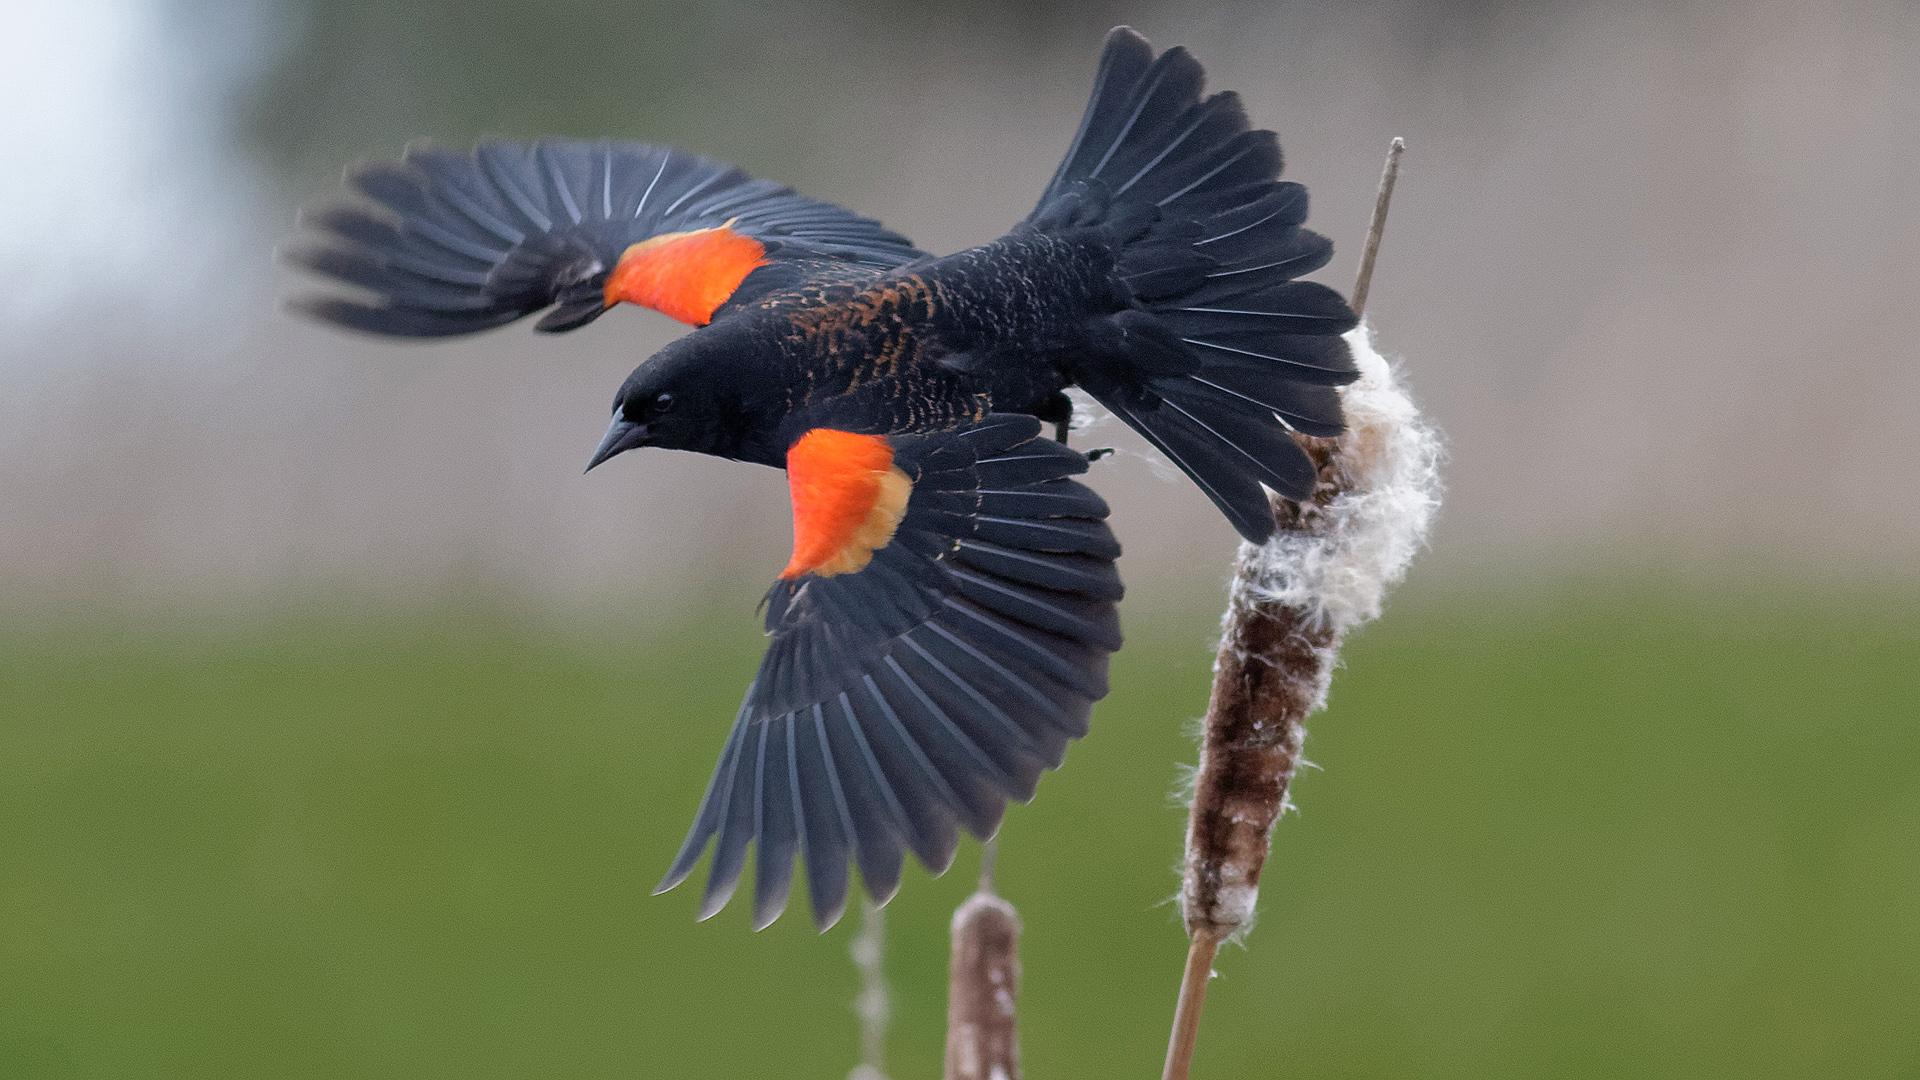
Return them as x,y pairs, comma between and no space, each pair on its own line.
1572,831
345,728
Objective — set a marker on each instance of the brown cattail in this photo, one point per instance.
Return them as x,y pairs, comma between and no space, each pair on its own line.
1325,571
1293,599
983,985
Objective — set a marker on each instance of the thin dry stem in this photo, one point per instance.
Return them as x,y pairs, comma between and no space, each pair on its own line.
983,984
1186,1011
1363,282
874,1005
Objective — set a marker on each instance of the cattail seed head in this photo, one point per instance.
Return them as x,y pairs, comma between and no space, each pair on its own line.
1325,571
983,975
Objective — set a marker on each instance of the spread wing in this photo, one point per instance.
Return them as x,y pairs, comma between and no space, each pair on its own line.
443,242
941,634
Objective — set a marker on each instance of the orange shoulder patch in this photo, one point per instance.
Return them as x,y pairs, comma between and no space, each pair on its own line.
686,275
848,498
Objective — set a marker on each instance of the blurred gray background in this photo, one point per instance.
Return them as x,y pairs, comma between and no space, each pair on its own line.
1651,266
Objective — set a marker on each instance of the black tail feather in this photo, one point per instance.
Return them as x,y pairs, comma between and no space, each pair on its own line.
1223,351
1220,470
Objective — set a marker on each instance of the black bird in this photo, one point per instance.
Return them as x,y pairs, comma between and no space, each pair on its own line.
944,626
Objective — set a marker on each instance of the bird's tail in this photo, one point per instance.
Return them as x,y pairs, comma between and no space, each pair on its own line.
1221,350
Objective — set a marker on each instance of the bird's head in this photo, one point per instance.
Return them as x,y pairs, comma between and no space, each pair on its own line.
653,408
680,400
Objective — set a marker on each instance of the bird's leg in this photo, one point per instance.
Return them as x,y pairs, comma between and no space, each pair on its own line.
1058,411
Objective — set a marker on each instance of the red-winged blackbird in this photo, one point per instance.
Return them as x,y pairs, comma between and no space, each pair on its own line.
944,626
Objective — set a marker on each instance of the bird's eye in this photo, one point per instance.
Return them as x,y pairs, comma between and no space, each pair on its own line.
663,403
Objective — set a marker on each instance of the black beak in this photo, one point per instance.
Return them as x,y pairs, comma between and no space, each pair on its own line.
622,435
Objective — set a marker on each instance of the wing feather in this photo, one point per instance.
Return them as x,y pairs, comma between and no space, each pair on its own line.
915,696
443,242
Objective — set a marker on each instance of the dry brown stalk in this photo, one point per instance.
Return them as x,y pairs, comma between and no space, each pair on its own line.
1389,175
1201,948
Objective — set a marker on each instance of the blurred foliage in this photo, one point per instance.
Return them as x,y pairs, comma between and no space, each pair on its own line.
1569,832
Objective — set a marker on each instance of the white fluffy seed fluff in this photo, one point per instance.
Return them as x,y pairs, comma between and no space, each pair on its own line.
1391,455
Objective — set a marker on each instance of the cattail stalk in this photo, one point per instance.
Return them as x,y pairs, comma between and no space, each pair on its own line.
1292,600
1370,252
874,1005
